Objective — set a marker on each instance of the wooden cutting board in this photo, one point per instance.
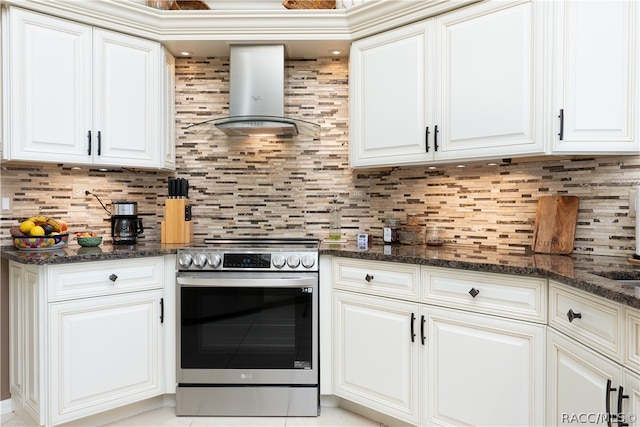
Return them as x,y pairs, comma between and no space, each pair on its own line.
554,229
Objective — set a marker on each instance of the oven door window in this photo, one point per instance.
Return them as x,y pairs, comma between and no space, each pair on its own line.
246,328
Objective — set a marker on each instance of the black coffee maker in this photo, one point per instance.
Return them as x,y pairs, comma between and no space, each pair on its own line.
125,224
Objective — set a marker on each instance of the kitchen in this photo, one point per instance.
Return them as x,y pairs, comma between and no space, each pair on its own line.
273,187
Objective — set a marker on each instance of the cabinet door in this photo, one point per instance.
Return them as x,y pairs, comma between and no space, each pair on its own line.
483,371
127,108
596,77
48,89
104,353
376,358
390,90
489,81
577,380
628,408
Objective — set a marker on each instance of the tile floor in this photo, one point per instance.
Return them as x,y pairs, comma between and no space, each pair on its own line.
329,417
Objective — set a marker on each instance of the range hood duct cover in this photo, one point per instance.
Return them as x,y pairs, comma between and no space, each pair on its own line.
256,103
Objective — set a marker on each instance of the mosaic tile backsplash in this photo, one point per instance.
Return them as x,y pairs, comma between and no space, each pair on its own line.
284,187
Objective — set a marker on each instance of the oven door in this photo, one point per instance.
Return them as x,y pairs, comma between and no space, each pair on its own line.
247,328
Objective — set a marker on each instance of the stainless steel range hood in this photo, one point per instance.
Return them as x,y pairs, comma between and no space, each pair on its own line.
256,103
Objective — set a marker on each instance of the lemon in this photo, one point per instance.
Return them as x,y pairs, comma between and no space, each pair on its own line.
26,226
36,231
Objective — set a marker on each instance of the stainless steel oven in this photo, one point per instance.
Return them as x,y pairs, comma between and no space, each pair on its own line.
247,331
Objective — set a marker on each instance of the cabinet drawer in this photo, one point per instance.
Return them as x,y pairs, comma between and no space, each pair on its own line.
595,322
498,294
376,277
632,326
87,279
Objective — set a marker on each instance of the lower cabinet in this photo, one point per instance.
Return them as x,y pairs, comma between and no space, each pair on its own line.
85,337
582,385
431,365
483,370
377,353
103,352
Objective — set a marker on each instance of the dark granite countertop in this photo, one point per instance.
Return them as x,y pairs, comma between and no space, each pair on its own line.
594,274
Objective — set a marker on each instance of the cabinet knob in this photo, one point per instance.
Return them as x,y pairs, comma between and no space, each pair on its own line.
113,277
573,315
368,278
474,292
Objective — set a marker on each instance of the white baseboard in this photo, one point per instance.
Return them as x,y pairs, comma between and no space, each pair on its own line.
5,406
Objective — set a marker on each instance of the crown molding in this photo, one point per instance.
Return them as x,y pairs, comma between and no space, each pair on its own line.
305,33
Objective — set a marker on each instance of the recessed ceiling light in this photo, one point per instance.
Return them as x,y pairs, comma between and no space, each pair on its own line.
335,52
185,53
461,166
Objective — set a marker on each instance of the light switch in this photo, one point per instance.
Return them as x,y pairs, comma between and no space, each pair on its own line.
6,204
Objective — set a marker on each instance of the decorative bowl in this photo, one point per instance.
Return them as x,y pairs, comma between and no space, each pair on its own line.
40,243
89,241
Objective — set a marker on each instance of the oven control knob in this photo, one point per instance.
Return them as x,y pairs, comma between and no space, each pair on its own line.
184,260
278,261
215,260
308,261
200,260
293,261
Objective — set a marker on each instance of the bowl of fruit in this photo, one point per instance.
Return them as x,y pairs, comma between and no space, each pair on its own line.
88,239
40,233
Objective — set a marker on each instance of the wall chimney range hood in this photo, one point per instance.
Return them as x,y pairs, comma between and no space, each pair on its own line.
256,103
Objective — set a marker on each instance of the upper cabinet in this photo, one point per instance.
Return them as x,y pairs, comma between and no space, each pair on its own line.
489,70
596,53
82,95
390,92
467,84
497,80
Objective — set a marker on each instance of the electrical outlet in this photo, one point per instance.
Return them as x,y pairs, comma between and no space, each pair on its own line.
79,192
358,194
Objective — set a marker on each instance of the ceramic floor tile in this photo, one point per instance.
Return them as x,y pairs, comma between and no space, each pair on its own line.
157,418
238,422
332,417
11,420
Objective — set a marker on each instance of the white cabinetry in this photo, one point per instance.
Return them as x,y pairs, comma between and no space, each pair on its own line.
586,379
489,74
483,370
466,85
377,350
391,92
486,348
597,89
81,95
410,343
95,340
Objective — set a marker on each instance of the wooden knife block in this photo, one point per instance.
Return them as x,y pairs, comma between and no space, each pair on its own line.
175,228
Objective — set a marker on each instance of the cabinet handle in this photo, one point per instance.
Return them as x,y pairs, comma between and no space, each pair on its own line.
607,402
99,143
113,278
89,140
426,139
573,315
413,320
368,278
161,310
422,321
435,138
561,117
474,292
619,415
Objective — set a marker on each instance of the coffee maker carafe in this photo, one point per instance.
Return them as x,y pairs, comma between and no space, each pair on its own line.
125,224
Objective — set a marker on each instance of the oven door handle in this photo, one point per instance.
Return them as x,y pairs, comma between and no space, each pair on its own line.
280,282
